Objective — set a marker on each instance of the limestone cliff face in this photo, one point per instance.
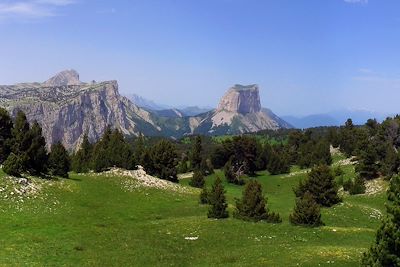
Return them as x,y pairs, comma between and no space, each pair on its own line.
67,112
240,111
67,108
241,99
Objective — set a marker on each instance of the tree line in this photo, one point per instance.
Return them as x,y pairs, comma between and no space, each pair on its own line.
23,149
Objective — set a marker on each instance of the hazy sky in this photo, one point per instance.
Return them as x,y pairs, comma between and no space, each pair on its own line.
307,56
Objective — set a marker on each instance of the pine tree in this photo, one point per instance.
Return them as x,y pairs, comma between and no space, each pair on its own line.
119,152
306,212
13,165
204,195
278,164
20,134
367,166
100,159
196,157
217,201
197,179
357,186
139,150
253,205
37,156
321,184
230,175
147,161
81,162
6,126
59,160
391,161
164,160
386,250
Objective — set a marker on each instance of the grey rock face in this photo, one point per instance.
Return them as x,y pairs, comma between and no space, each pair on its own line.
241,99
67,109
67,112
64,78
240,111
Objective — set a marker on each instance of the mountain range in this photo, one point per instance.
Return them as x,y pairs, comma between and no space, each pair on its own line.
67,108
334,118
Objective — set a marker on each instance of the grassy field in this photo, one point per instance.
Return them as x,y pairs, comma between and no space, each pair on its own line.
97,221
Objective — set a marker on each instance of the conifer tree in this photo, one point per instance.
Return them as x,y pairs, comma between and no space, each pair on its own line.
367,166
357,186
253,205
217,201
386,250
100,159
139,150
278,164
13,165
36,154
321,184
20,134
197,179
306,212
6,126
119,153
204,195
81,162
59,160
391,161
196,157
164,160
230,175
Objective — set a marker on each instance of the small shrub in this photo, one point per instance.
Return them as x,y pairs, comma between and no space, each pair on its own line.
204,195
197,179
358,186
13,165
217,200
306,212
252,206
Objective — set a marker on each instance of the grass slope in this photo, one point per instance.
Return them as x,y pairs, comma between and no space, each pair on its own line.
95,221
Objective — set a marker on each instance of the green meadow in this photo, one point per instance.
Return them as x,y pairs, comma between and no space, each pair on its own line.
97,220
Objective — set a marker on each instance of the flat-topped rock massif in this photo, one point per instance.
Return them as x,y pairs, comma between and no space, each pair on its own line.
241,99
67,108
240,111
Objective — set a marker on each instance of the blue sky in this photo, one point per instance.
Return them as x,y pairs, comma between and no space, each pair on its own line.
308,56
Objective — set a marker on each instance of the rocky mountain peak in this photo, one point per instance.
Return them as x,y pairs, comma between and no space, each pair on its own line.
241,99
64,78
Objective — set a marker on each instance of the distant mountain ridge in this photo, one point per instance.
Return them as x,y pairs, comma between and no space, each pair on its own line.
334,118
67,108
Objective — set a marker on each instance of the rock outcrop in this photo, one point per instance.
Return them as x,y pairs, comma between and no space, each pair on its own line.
240,111
64,78
67,112
241,99
67,108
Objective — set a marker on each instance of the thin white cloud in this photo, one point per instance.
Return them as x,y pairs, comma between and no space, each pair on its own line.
56,2
31,9
356,1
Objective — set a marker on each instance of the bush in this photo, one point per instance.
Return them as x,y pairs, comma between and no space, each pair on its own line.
13,165
230,175
204,195
306,212
347,185
253,207
59,161
386,250
321,184
358,186
217,201
197,179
